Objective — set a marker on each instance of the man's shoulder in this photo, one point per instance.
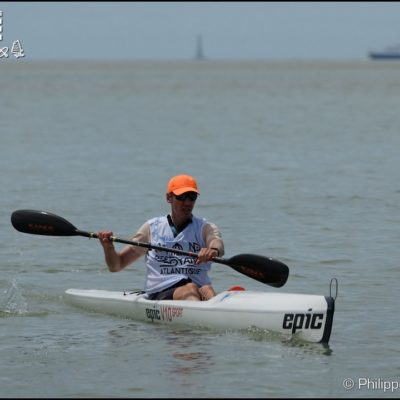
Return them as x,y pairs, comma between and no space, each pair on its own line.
203,221
198,219
156,219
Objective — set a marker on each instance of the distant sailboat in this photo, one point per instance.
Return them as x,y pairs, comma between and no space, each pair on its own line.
390,53
199,48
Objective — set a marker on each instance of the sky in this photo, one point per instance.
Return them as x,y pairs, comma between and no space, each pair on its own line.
110,30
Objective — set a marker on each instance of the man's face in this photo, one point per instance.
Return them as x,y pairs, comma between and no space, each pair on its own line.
182,206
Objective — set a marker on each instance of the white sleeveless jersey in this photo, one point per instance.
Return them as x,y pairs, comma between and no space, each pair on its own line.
165,269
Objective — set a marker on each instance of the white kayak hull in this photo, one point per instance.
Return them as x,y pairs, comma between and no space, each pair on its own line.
309,317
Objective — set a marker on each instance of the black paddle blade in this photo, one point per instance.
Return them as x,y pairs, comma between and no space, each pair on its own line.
263,269
41,223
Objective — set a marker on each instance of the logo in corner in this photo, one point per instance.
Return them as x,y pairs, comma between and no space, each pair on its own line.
15,49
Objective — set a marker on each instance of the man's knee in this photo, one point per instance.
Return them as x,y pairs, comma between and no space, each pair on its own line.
207,292
187,292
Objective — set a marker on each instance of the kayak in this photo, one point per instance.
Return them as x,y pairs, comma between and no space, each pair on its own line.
307,317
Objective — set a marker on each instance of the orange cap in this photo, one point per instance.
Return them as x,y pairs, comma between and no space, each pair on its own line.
182,183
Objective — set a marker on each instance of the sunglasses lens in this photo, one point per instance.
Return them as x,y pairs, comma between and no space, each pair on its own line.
192,196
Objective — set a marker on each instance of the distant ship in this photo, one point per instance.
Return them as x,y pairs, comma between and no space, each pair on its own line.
199,49
390,53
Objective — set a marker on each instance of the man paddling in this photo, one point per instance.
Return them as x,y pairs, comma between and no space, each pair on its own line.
171,276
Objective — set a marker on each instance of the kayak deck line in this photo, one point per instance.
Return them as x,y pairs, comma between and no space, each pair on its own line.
310,317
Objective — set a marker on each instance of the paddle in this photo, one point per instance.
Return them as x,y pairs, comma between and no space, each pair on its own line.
263,269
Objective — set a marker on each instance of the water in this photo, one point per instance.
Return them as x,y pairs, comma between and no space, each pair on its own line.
294,160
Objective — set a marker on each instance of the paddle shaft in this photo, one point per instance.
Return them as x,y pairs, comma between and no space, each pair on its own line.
149,246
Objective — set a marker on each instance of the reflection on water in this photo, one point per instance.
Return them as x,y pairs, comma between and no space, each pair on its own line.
180,354
194,362
186,361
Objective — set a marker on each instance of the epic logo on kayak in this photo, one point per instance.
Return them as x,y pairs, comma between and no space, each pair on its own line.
164,313
302,321
152,314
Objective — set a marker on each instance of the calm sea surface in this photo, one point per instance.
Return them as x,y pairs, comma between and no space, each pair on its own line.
297,161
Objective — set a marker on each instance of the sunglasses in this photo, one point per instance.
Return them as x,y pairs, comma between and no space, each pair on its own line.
192,196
